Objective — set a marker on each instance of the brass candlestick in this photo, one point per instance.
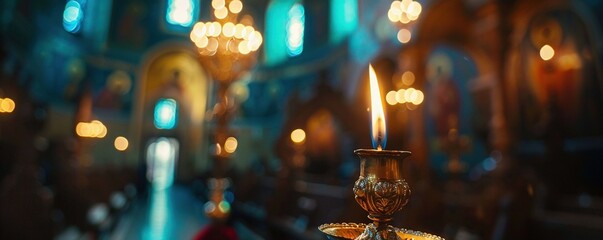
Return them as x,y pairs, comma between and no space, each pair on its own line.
381,191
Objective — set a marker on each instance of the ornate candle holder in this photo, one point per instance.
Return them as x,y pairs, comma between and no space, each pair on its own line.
381,191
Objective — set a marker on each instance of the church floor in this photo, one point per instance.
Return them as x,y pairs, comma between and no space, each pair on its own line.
172,213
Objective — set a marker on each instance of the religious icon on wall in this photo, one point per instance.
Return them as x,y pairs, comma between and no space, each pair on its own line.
560,86
450,110
445,106
117,87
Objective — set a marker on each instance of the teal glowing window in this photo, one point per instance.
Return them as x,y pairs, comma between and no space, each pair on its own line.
181,12
284,30
166,113
72,16
344,19
295,30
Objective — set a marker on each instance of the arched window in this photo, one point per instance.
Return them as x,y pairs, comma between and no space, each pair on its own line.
344,19
285,24
295,30
72,16
181,12
166,113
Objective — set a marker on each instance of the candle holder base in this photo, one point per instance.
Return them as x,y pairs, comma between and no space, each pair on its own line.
381,191
341,231
374,232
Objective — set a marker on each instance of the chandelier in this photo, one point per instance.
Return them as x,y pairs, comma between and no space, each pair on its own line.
404,13
226,46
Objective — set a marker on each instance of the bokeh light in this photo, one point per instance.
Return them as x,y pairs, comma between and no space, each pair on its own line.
298,135
121,143
230,145
404,11
212,38
180,12
93,129
166,111
547,52
72,16
235,6
390,98
221,13
295,30
7,105
217,4
404,35
400,96
408,78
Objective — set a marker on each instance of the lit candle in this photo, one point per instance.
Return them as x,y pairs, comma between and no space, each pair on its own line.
378,131
380,189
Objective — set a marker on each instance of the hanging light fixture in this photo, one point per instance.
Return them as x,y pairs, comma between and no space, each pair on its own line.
227,45
404,13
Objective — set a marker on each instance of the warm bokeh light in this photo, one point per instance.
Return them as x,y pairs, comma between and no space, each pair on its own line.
378,129
217,4
230,145
235,6
239,30
390,98
394,13
408,94
121,143
414,10
228,29
404,35
411,96
202,42
243,47
212,45
221,13
547,52
404,19
216,29
404,11
298,135
81,129
400,96
93,129
408,78
418,97
211,30
396,5
99,129
7,105
224,37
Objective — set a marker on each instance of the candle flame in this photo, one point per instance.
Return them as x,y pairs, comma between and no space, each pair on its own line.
378,131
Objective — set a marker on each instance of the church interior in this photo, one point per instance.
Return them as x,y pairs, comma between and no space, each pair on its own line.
241,119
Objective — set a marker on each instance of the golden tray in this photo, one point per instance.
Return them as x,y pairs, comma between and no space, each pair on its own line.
340,231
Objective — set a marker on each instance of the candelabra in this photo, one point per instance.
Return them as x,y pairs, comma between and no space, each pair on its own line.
227,49
404,13
226,46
